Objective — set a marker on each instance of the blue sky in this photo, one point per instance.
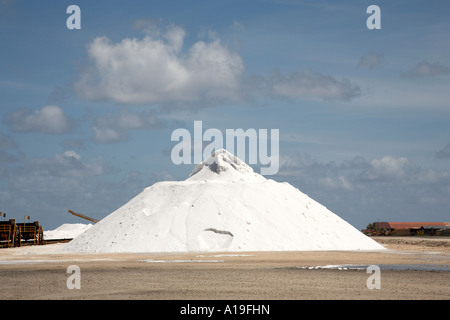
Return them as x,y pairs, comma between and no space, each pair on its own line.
87,115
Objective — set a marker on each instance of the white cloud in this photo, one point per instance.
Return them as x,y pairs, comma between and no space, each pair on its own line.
68,154
59,182
402,172
158,70
50,119
68,163
339,182
61,172
360,173
378,189
388,167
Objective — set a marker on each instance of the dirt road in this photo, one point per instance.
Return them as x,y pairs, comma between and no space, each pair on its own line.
407,271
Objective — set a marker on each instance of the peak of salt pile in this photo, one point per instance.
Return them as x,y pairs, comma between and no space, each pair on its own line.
222,206
222,165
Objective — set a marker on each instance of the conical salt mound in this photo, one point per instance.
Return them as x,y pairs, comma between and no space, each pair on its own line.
222,206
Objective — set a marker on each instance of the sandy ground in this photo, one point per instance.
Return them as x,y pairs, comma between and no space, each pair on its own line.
410,268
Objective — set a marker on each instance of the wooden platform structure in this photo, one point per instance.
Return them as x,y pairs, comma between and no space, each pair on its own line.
14,234
9,235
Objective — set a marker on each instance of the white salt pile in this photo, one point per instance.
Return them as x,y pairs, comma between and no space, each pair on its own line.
222,206
66,231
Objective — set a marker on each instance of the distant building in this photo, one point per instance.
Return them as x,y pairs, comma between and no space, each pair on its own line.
408,228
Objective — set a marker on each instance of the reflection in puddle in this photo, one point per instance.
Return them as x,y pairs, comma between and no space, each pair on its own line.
418,267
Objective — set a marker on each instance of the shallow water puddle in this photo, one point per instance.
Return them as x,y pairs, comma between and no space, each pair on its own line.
418,267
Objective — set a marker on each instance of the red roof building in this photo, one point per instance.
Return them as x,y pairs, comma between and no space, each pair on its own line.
410,228
410,225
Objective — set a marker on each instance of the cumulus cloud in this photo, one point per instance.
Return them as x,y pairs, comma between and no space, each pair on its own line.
312,84
378,189
63,171
114,128
68,180
68,163
371,60
61,181
159,70
387,168
49,119
427,69
358,173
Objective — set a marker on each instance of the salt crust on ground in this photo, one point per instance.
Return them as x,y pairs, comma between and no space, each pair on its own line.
222,206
